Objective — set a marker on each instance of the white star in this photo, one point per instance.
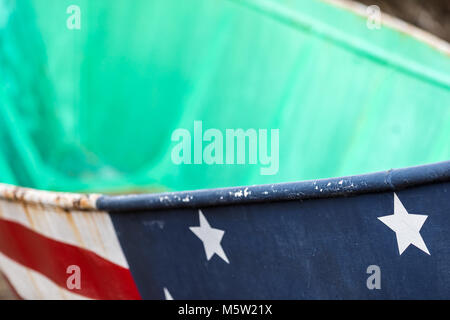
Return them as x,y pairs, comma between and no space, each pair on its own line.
406,227
210,237
167,294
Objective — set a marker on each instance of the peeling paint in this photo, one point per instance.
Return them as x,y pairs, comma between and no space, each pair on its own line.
238,193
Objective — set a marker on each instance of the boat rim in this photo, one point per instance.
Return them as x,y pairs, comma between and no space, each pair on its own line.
383,181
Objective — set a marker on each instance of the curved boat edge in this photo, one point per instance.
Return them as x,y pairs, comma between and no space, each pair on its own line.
390,180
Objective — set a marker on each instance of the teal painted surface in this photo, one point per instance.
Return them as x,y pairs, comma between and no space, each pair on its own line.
94,109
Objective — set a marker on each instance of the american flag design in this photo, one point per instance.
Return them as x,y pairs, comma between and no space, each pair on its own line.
39,241
305,240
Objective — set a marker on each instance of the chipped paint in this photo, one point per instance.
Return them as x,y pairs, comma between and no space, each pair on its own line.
238,194
388,180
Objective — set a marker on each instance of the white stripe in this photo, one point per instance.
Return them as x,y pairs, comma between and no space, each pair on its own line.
32,285
91,230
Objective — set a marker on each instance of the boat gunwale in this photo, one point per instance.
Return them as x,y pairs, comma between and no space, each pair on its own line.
63,200
383,181
397,24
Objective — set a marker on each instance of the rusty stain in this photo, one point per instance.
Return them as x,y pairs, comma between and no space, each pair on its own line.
94,230
27,213
49,212
74,227
85,229
64,200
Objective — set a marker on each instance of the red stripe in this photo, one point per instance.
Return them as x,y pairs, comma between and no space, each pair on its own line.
100,278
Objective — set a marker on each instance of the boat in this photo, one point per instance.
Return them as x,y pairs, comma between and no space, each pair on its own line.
102,198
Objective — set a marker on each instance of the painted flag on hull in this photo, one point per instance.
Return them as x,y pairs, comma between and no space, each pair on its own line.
42,246
376,236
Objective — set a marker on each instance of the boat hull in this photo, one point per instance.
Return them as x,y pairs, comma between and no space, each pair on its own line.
378,236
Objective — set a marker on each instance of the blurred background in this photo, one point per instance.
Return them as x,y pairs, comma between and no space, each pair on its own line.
430,15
